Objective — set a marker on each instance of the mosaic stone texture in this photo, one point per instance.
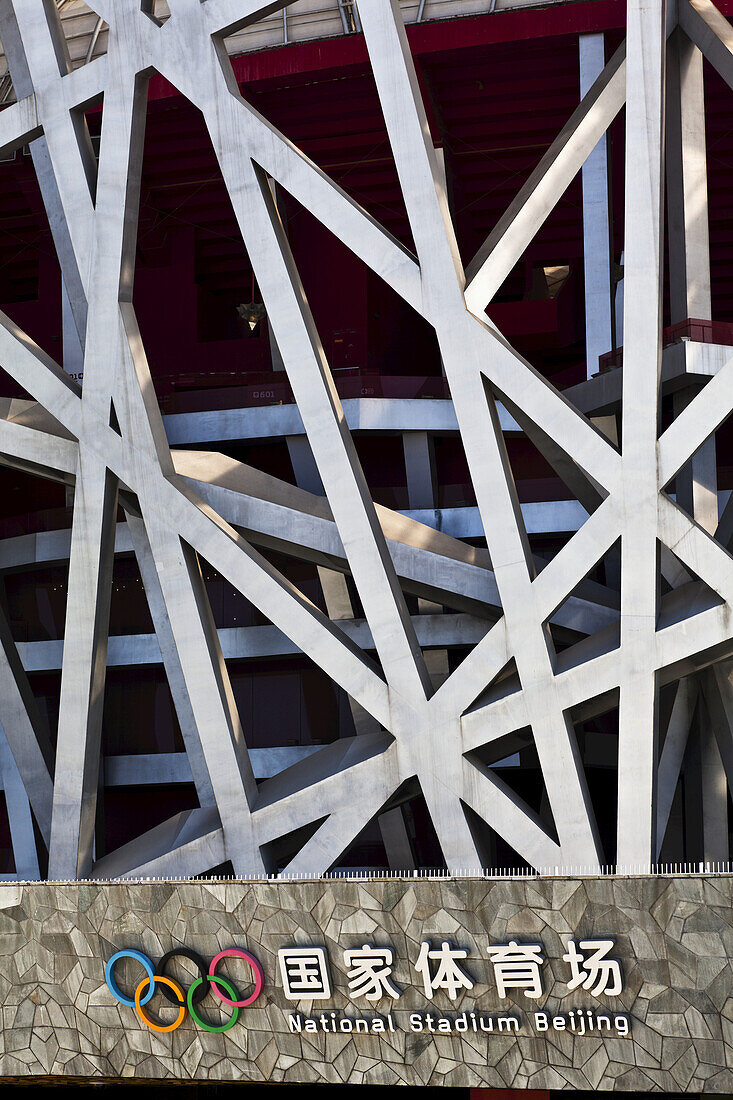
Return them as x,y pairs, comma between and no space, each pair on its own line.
674,937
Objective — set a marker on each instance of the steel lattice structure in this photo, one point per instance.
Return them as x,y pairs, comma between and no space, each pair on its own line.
108,440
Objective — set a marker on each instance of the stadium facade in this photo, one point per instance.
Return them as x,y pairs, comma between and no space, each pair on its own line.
365,435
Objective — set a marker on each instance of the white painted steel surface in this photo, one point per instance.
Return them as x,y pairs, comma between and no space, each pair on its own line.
419,723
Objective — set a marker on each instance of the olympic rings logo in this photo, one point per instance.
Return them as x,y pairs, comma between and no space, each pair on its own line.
172,991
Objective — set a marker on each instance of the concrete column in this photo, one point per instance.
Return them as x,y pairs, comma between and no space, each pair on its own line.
706,793
670,815
687,185
596,221
304,464
73,356
73,351
714,787
440,160
673,753
420,469
277,359
697,482
618,306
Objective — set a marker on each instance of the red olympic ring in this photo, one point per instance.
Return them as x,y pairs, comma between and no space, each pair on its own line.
256,968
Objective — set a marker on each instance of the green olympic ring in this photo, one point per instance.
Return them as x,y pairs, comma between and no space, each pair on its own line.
199,1020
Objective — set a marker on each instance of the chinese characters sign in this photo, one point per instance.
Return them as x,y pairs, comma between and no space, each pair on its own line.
304,975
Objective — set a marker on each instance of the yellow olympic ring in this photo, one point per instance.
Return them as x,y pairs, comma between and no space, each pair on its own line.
176,989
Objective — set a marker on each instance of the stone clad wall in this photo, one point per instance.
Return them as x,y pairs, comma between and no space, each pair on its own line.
674,937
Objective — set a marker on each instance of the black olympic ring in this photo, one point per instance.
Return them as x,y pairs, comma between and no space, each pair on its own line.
185,953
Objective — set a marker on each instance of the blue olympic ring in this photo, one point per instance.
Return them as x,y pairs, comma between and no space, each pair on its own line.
129,953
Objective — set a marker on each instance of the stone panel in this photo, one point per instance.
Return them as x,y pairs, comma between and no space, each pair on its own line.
673,937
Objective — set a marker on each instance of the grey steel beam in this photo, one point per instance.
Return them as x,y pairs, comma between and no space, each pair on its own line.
696,481
687,183
76,774
320,407
28,740
188,844
638,706
339,607
254,501
717,686
173,768
535,201
711,33
210,507
464,362
706,791
597,258
209,691
673,752
24,82
253,642
363,414
421,493
169,653
420,470
22,834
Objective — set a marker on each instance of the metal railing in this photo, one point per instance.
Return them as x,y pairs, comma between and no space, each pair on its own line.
696,868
